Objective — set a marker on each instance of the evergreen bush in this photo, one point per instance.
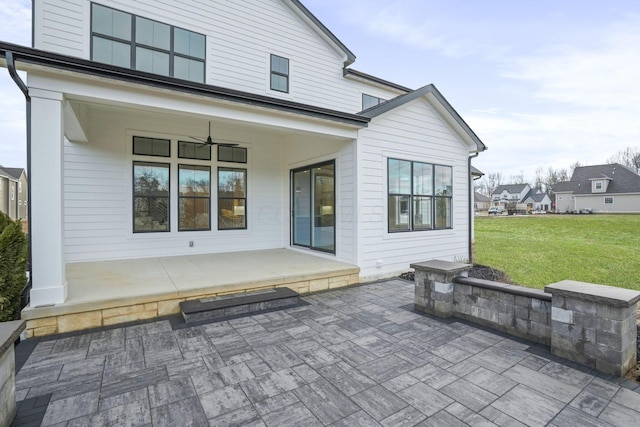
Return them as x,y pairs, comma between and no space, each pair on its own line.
13,267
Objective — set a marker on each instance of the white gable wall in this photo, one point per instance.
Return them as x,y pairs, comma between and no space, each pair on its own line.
240,38
411,132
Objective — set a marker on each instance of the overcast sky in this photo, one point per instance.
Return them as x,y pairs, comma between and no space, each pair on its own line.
542,83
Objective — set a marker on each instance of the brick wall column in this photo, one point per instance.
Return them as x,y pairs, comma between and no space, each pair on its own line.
434,285
594,325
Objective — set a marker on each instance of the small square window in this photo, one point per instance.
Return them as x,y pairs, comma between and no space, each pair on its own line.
369,101
608,200
232,154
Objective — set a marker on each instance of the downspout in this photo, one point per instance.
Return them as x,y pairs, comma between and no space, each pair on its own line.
472,156
11,66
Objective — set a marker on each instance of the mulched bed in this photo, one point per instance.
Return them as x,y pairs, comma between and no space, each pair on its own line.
477,272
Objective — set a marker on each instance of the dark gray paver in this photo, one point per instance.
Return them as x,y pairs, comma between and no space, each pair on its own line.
379,402
187,413
356,356
425,399
528,406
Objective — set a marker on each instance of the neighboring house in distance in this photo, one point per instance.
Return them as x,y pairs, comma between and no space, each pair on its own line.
481,202
538,200
312,155
13,192
600,188
504,194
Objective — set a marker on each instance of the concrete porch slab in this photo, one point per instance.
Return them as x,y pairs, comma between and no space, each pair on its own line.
110,292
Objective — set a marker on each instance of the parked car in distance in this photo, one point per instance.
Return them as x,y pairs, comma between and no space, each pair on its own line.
496,210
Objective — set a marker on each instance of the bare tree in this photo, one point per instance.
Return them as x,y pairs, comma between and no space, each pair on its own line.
518,179
553,177
493,181
539,182
629,157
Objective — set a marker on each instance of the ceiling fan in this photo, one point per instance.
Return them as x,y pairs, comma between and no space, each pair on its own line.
210,141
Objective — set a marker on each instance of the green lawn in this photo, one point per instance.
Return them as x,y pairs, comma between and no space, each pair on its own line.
538,250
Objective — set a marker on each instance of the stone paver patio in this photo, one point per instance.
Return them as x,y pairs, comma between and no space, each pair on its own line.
352,357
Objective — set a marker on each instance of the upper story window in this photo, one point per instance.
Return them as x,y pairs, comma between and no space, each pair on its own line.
369,101
279,74
126,40
598,185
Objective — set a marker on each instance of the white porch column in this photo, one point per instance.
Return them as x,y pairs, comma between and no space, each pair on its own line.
49,284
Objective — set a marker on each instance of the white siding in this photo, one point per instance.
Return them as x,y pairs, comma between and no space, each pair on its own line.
98,195
240,38
300,152
412,132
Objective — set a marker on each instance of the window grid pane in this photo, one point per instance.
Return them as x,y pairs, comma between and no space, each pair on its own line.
150,197
193,150
151,146
194,191
232,198
399,176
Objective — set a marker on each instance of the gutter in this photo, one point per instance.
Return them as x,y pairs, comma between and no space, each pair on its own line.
11,66
83,66
472,156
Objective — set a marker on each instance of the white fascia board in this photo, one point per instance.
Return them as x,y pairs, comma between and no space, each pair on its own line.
103,91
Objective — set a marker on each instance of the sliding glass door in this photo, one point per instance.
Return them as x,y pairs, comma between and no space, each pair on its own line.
313,207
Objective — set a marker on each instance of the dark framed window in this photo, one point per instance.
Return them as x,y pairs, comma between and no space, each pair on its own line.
194,197
150,197
232,198
369,101
194,150
232,154
419,196
279,74
130,41
151,146
608,200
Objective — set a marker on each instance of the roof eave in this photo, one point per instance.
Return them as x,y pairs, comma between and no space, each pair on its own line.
45,59
430,91
350,56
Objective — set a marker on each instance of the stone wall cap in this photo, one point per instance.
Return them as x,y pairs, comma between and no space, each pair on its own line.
611,295
504,287
441,266
9,333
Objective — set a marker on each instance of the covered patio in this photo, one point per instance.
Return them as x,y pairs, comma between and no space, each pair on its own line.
103,293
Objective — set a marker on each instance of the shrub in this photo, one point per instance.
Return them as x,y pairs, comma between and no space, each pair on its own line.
13,266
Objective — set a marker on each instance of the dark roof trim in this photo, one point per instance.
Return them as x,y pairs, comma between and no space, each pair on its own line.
476,172
83,66
351,58
365,76
425,90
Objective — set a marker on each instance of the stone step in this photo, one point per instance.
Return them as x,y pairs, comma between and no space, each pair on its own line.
237,304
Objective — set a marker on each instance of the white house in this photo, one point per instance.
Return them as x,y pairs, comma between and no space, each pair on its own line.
538,200
610,188
504,194
312,155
